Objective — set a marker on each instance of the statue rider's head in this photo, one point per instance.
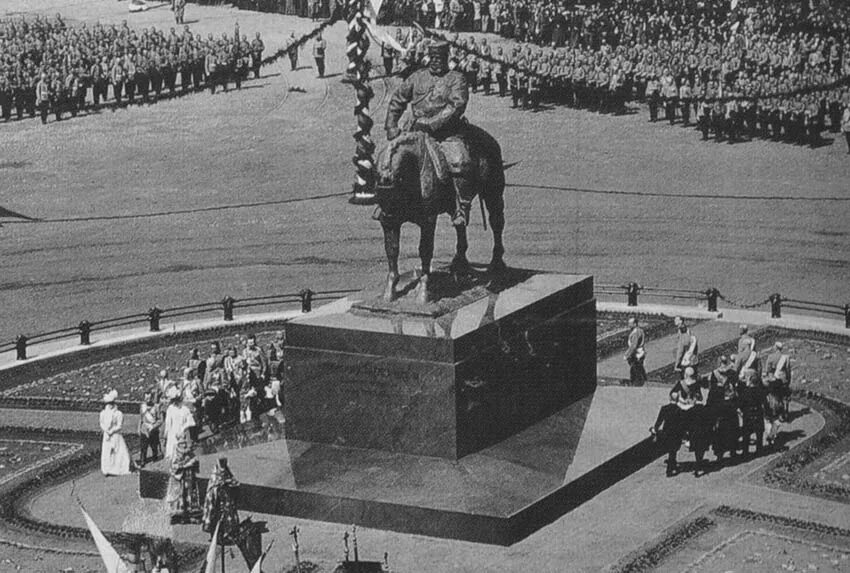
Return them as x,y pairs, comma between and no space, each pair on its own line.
438,58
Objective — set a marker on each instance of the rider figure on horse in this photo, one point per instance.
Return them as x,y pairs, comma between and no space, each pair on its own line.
437,98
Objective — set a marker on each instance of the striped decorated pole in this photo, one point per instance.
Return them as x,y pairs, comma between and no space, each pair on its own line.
357,74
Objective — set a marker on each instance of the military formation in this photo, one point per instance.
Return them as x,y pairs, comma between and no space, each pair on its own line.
750,75
48,67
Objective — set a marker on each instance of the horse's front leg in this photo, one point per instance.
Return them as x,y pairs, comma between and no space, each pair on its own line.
392,234
460,264
426,253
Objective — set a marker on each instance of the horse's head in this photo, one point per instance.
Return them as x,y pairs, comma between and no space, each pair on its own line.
399,170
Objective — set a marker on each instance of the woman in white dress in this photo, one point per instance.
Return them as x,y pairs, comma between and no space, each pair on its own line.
114,455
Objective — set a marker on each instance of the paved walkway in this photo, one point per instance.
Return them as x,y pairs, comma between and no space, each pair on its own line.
662,351
589,538
619,520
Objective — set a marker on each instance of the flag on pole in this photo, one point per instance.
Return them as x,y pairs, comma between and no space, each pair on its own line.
212,554
111,559
258,566
382,37
376,6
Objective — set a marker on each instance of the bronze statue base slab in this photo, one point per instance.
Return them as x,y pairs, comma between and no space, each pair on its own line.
450,292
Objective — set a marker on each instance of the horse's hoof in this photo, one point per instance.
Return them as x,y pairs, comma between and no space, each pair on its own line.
497,266
459,266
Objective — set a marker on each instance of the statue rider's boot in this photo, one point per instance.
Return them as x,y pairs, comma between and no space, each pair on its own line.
464,192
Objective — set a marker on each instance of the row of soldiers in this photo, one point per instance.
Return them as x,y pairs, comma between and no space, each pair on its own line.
799,118
48,67
751,107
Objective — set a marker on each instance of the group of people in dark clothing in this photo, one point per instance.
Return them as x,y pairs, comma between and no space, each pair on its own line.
48,67
762,69
739,404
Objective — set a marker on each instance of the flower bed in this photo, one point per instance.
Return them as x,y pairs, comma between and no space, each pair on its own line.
129,375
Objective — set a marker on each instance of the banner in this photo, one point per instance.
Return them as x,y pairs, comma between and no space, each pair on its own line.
111,559
209,563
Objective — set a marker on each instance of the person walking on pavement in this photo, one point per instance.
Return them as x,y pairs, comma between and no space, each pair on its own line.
636,353
687,347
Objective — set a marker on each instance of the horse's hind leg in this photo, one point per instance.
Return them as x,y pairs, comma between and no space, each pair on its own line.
426,253
392,235
495,203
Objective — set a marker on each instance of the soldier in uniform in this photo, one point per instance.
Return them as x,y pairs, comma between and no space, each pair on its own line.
319,48
501,75
5,97
257,48
292,48
211,69
438,99
653,95
42,96
685,97
179,8
118,77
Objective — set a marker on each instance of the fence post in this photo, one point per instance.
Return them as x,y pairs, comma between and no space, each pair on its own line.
21,346
227,304
85,333
632,293
776,305
306,300
711,296
153,315
847,315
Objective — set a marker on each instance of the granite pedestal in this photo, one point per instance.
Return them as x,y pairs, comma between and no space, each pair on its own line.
444,380
475,417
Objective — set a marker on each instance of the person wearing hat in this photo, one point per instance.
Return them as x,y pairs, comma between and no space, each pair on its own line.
437,98
674,420
178,420
777,376
114,455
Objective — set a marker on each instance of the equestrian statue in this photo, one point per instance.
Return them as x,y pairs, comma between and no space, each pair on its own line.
438,164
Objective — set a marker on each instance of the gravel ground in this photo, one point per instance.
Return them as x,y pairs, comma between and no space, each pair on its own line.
245,154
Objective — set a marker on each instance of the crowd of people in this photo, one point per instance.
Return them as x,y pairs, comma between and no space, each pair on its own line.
49,67
764,69
727,409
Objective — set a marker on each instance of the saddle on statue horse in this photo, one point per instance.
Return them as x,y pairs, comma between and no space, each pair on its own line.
458,155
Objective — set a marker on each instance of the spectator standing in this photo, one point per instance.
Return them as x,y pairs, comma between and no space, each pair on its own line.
114,455
636,353
178,419
845,122
150,420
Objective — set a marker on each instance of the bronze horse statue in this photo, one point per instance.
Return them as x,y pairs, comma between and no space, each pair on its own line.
414,186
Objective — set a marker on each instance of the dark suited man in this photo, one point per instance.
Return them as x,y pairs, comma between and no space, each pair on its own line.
636,354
